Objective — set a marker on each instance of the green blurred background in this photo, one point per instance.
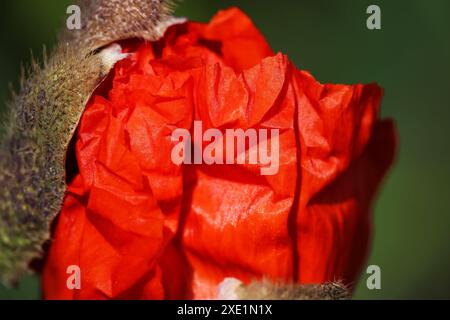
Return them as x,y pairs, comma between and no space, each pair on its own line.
409,57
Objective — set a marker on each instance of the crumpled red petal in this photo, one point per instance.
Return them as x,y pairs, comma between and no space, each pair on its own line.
345,152
141,227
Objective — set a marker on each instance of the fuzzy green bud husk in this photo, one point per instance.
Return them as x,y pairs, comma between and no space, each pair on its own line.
44,115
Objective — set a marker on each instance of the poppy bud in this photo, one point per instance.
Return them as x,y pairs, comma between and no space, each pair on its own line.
91,143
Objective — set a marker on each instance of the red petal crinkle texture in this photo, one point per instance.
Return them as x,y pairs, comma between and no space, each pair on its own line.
141,227
344,153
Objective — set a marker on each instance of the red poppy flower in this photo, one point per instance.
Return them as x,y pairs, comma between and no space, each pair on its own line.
140,226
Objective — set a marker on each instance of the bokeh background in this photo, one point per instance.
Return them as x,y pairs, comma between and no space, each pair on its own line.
409,57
